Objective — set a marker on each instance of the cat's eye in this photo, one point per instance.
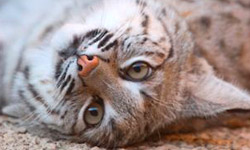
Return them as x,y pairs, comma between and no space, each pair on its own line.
139,71
94,113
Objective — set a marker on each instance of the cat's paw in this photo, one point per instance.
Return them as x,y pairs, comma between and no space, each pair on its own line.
15,110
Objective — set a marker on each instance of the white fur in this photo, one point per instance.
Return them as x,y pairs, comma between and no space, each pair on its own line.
134,88
108,15
65,35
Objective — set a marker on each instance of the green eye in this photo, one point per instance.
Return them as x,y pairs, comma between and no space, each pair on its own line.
93,114
139,71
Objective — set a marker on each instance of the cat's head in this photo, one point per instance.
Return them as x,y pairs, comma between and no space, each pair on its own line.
143,75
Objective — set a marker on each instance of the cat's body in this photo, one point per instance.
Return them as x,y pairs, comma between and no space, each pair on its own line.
222,33
41,57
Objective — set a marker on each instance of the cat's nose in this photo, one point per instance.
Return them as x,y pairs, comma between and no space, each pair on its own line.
86,64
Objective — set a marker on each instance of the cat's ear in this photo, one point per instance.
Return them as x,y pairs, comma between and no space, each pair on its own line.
208,95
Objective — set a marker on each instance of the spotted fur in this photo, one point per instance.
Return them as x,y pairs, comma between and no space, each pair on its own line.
190,45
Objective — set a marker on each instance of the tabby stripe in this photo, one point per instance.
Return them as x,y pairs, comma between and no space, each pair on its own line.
145,94
64,114
164,12
105,40
132,114
105,60
83,82
26,72
141,3
144,40
92,34
71,87
64,74
75,122
129,44
36,95
123,43
58,69
31,88
71,50
145,23
150,53
138,2
162,55
112,124
171,51
101,35
71,98
46,32
65,83
20,93
62,78
113,44
245,5
39,99
76,42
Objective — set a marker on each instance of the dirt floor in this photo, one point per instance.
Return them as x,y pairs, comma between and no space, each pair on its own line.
17,138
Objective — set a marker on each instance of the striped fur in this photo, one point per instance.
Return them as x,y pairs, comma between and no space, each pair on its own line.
40,71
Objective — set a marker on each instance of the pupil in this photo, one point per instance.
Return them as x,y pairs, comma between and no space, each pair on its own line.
93,111
137,69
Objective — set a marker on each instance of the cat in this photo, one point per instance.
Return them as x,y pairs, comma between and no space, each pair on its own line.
112,72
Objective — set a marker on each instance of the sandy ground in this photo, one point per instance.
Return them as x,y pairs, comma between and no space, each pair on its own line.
17,138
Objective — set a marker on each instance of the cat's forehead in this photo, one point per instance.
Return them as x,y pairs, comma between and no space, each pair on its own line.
120,23
113,15
126,17
123,27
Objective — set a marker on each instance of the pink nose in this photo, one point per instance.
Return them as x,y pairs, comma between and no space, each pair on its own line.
87,64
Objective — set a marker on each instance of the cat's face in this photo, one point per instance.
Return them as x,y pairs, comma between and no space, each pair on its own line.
118,101
145,77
